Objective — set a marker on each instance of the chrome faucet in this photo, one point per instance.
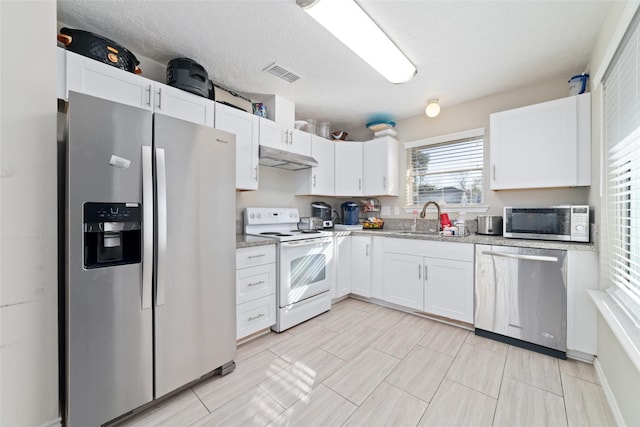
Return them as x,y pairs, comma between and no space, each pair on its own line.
424,211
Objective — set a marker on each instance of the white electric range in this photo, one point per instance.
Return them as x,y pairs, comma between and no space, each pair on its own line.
305,264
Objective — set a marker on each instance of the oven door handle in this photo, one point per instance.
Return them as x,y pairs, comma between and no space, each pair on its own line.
307,242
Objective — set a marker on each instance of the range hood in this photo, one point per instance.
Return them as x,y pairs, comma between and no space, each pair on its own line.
282,159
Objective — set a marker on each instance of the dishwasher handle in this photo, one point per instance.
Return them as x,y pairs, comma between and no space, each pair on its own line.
523,257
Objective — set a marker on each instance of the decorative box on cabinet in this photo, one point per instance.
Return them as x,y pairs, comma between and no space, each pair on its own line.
246,128
319,180
255,289
542,146
380,167
94,78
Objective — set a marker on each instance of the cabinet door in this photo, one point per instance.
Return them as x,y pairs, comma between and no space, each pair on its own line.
299,142
183,105
94,78
403,283
343,270
361,265
535,146
449,289
246,127
380,167
273,134
348,164
320,179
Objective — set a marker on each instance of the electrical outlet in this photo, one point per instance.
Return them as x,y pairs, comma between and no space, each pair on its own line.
396,210
385,211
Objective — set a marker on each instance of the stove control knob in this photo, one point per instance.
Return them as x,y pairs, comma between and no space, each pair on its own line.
259,216
251,216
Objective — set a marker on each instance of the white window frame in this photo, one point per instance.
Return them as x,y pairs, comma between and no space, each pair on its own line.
440,139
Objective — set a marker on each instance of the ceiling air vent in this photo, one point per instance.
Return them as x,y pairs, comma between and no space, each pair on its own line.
281,72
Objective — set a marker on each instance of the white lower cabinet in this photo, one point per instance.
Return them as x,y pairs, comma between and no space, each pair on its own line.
403,283
433,277
448,288
582,315
343,252
255,289
361,265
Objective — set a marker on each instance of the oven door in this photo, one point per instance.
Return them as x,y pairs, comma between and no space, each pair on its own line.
306,269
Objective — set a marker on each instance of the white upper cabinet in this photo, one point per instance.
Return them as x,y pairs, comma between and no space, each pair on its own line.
348,169
94,78
276,135
246,128
380,167
318,180
542,146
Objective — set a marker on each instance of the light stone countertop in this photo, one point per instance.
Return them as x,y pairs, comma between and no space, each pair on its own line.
244,241
478,239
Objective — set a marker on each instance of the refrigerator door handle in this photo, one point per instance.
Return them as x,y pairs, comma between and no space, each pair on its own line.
161,182
147,227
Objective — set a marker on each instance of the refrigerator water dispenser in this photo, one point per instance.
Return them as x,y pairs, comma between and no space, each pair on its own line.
112,234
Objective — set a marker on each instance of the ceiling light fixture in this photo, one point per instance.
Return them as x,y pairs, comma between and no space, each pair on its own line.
353,27
433,108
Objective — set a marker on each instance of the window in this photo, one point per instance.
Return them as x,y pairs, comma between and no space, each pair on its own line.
447,168
622,144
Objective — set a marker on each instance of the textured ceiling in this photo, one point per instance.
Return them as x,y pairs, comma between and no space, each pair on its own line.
463,50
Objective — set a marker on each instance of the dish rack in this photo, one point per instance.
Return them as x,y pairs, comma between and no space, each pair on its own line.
369,214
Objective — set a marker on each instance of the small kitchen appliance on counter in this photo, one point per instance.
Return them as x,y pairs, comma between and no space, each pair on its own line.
567,223
322,210
490,225
310,223
350,212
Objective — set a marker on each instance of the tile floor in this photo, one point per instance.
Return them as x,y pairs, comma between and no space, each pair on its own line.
361,364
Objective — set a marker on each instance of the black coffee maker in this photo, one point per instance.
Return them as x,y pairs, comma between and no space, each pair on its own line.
322,210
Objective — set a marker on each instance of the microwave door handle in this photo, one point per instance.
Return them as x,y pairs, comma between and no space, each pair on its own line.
161,182
523,257
147,227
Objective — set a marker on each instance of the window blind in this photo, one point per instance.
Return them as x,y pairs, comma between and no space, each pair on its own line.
449,171
621,102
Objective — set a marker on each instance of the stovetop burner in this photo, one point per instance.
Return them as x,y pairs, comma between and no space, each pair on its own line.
275,233
306,231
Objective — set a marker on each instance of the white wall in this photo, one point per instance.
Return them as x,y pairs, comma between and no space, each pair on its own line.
622,377
28,251
475,114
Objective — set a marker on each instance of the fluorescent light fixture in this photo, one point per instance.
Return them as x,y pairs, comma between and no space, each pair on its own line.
433,108
353,27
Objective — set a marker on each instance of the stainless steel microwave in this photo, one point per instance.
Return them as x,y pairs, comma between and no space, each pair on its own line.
568,223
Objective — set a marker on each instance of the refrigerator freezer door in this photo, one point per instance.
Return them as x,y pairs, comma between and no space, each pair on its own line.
195,325
108,352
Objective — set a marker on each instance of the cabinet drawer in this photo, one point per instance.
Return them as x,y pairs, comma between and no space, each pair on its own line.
255,282
256,315
257,255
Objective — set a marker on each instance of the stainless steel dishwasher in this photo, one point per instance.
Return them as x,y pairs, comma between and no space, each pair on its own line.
521,297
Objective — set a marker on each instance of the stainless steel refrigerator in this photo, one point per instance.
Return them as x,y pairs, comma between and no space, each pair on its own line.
148,275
